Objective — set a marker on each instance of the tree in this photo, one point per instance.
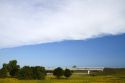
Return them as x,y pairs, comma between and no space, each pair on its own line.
32,73
13,68
25,73
58,72
74,66
67,73
4,71
38,72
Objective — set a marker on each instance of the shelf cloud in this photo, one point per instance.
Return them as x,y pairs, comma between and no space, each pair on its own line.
29,22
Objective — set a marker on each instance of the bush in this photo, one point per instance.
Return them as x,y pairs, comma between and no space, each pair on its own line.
3,73
12,68
58,72
25,73
32,73
67,73
38,72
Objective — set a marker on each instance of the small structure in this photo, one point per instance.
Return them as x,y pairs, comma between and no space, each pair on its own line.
88,71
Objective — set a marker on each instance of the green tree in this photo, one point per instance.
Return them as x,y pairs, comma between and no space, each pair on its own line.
13,68
67,73
25,73
4,71
32,73
58,72
38,72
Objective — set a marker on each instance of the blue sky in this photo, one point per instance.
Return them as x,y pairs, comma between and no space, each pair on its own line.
108,51
63,32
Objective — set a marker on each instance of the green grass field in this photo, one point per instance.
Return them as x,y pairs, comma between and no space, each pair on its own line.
73,79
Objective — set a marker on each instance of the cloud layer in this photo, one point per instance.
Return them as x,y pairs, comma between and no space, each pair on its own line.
27,22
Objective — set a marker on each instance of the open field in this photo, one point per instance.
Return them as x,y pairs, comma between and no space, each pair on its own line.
73,79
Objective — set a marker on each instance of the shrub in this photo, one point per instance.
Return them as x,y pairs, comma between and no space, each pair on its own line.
58,72
32,73
67,73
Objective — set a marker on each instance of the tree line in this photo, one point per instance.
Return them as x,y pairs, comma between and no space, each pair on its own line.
34,72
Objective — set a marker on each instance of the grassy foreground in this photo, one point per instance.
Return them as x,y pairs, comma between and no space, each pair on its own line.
73,79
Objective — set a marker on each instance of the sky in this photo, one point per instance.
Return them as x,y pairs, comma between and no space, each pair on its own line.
63,32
